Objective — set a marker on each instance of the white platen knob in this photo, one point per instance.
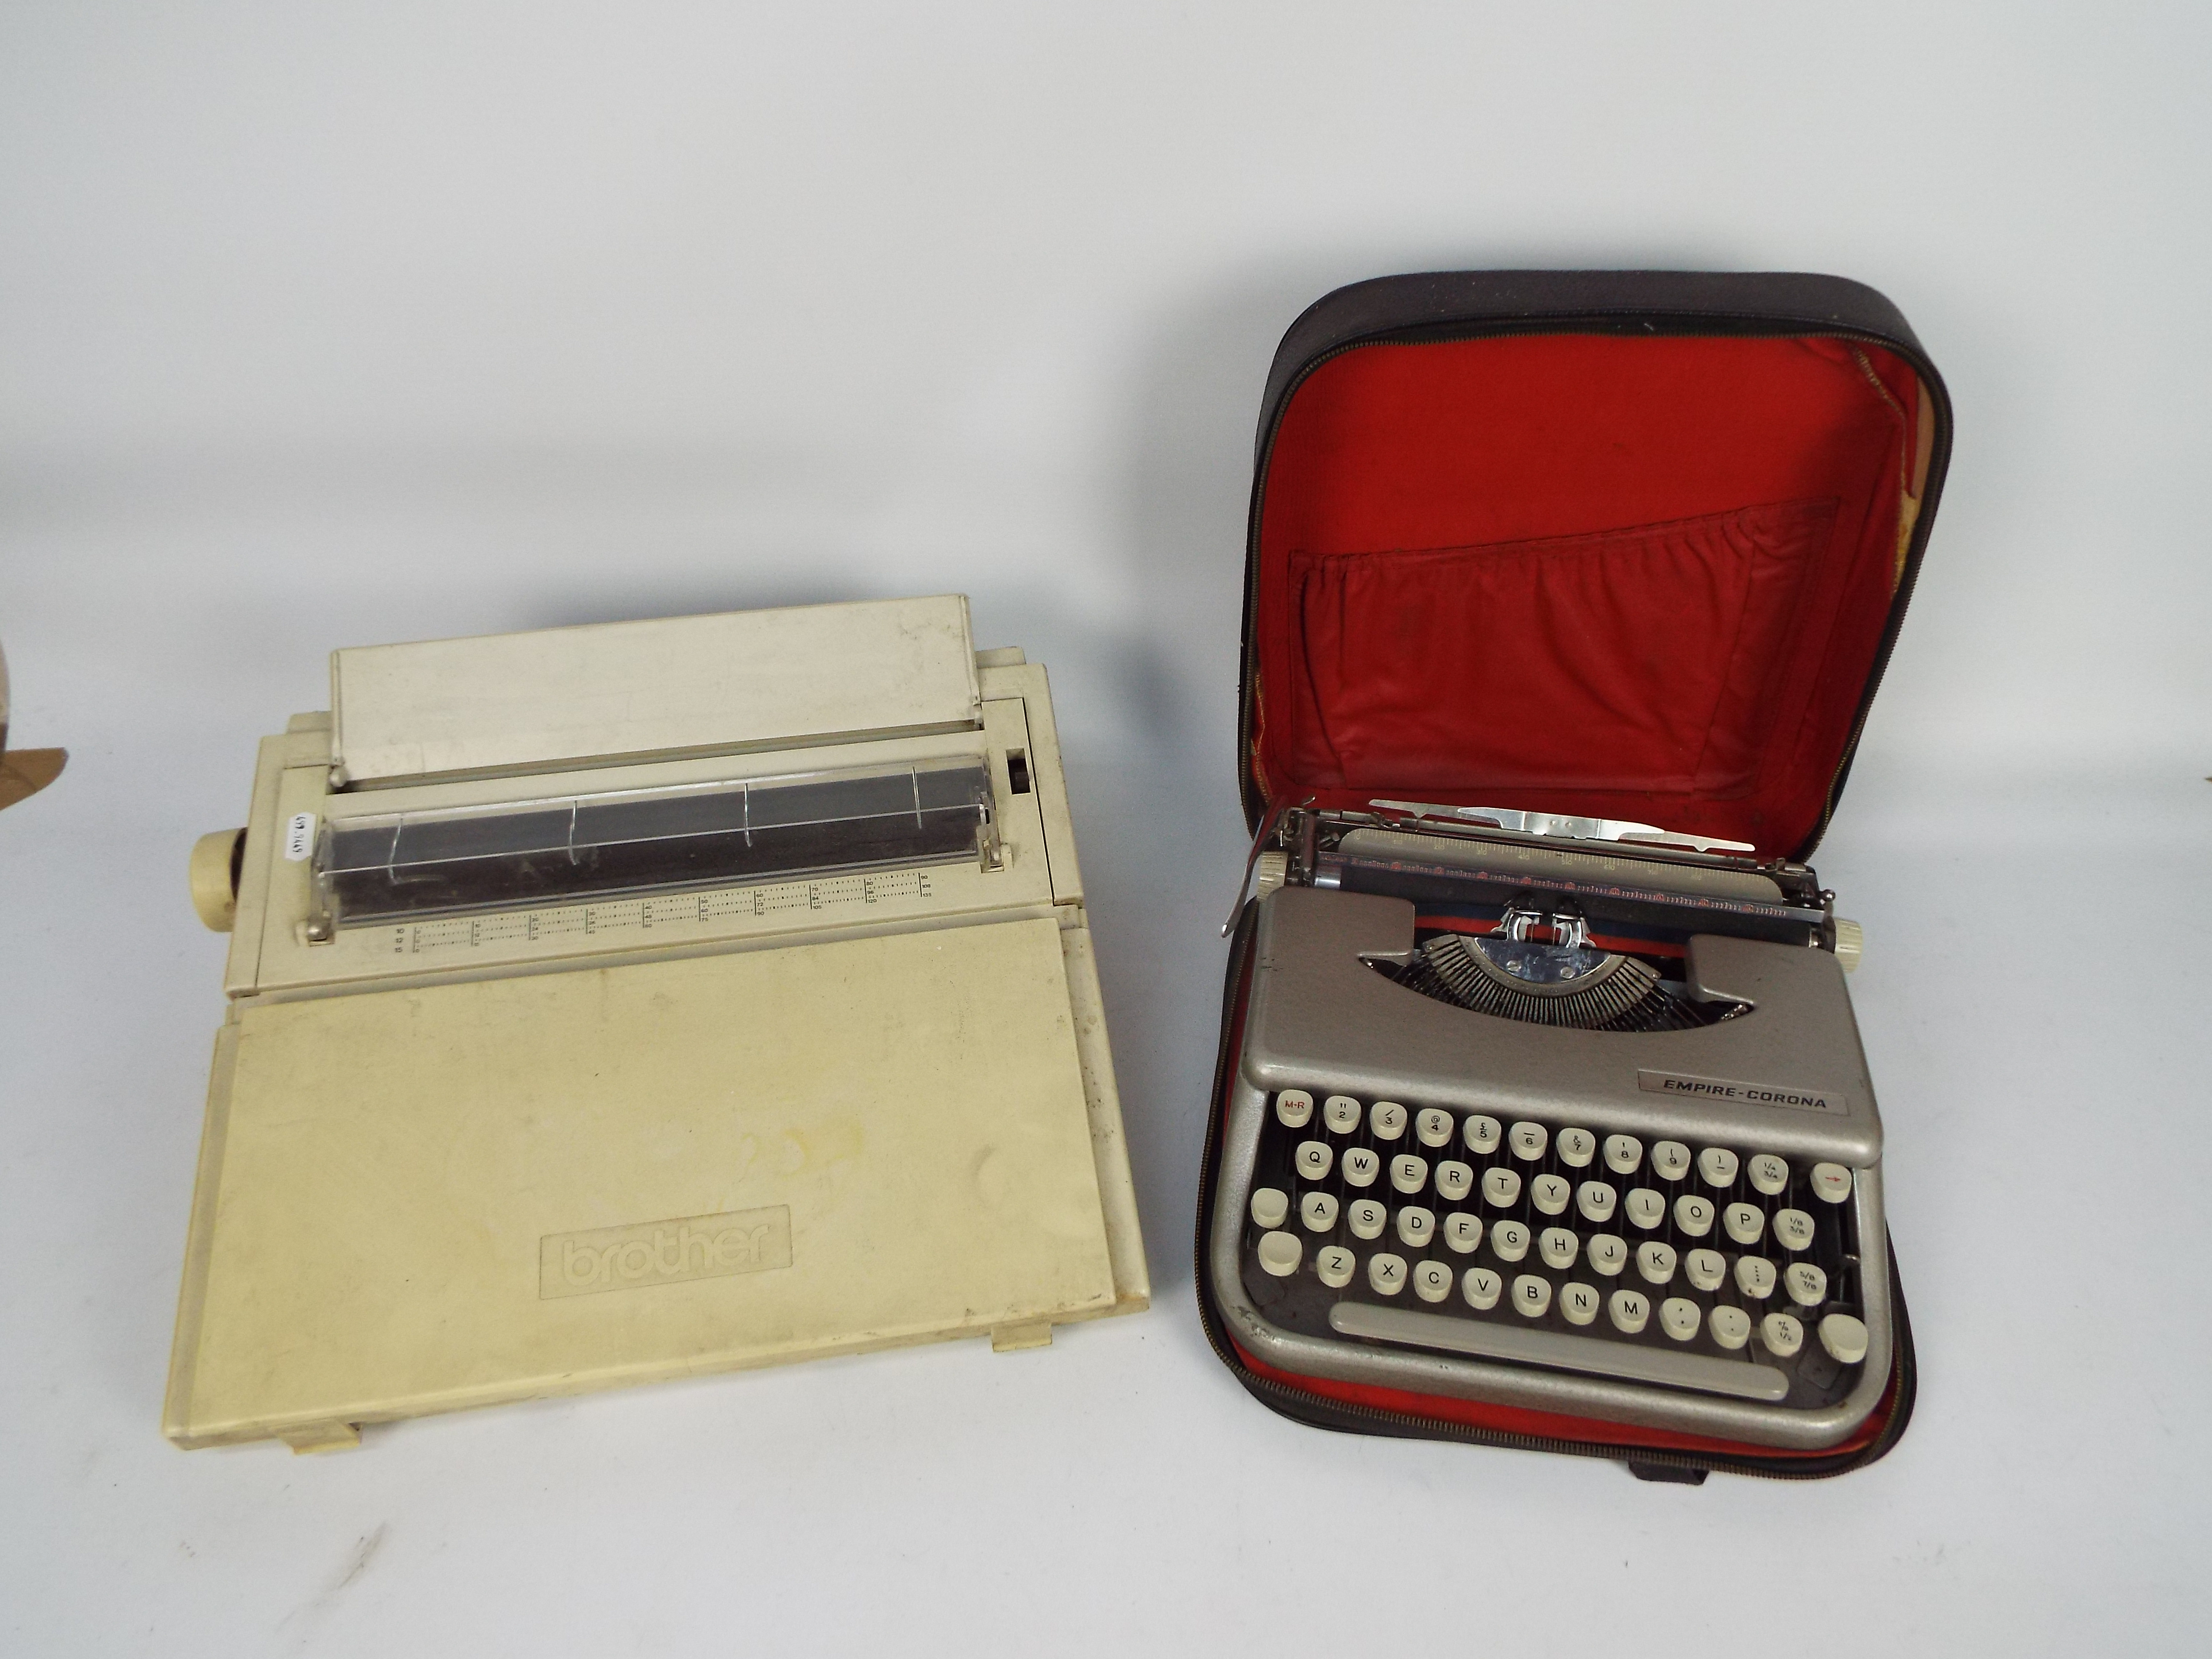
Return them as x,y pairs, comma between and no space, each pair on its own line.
215,892
1850,944
1268,873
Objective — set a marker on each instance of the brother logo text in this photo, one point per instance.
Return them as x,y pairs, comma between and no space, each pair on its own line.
664,1252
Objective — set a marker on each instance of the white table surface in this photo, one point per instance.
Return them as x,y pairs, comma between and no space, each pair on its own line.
323,326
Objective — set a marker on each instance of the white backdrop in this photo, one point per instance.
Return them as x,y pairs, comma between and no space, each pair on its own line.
345,323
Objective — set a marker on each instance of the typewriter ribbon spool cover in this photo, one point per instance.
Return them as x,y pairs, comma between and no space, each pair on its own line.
1541,1118
631,1001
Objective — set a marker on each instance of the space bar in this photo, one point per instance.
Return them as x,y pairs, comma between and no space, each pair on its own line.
1745,1380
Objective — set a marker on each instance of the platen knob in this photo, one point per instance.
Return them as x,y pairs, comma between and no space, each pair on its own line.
215,877
1268,873
1851,941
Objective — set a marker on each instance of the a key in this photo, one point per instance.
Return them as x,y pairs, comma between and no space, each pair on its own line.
1279,1253
1269,1205
1432,1280
1730,1327
1832,1183
1656,1262
1624,1154
1845,1339
1455,1181
1769,1174
1528,1141
1365,1217
1807,1285
1341,1113
1481,1134
1579,1302
1386,1273
1558,1247
1608,1254
1577,1148
1409,1173
1463,1233
1745,1224
1754,1277
1433,1129
1334,1264
1481,1288
1361,1166
1631,1310
1693,1214
1679,1318
1793,1229
1670,1160
1550,1193
1501,1188
1716,1167
1317,1211
1293,1108
1706,1270
1532,1295
1594,1199
1416,1227
1313,1158
1782,1334
1646,1208
1386,1118
1509,1240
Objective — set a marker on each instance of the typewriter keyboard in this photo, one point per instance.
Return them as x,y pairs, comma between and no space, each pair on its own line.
1726,1270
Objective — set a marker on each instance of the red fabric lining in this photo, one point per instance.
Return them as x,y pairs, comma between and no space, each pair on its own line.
1630,577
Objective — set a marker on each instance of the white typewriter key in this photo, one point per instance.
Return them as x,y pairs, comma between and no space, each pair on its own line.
1845,1339
1656,1262
1693,1214
1509,1240
1532,1295
1579,1302
1670,1160
1317,1211
1365,1217
1455,1181
1706,1270
1417,1228
1769,1173
1279,1254
1432,1280
1745,1224
1342,1113
1481,1288
1731,1327
1434,1128
1594,1199
1782,1334
1624,1154
1334,1264
1501,1188
1629,1311
1609,1254
1480,1133
1293,1108
1577,1148
1550,1193
1679,1318
1646,1208
1716,1167
1409,1173
1528,1141
1313,1159
1386,1118
1754,1277
1558,1247
1386,1273
1462,1231
1793,1229
1269,1205
1807,1285
1832,1183
1361,1166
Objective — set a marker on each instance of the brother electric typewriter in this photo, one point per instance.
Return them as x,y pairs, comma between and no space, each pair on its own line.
1543,1117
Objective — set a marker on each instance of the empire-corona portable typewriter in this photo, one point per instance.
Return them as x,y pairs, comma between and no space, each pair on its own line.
1543,1117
